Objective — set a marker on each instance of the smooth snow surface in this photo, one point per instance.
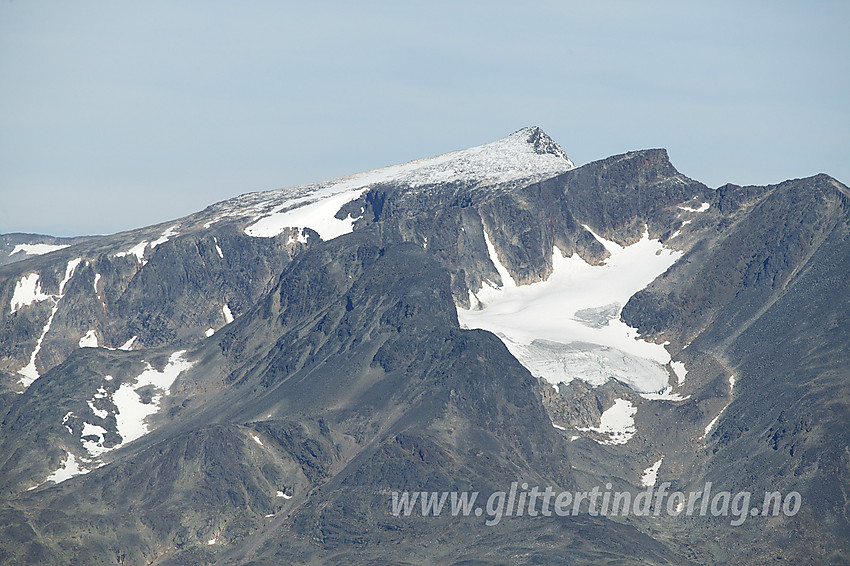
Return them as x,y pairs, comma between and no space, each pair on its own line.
168,233
318,215
89,340
680,370
511,159
128,345
132,412
37,249
617,422
569,326
702,208
94,447
29,373
27,291
66,470
228,316
650,475
138,250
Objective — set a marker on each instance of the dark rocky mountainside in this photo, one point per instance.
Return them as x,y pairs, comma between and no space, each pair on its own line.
250,384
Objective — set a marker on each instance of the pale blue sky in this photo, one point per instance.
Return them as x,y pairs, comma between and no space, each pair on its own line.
115,115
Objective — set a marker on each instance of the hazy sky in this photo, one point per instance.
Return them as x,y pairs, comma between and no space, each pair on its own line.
115,115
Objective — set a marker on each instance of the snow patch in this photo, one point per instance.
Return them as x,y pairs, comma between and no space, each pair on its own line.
94,447
679,231
128,345
211,541
257,439
702,208
89,340
132,412
284,495
710,425
218,248
209,332
617,422
67,469
680,370
211,222
27,291
228,316
559,427
318,215
665,394
165,236
37,249
138,250
650,475
100,413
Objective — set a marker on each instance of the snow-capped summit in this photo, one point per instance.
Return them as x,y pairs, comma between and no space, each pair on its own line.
526,156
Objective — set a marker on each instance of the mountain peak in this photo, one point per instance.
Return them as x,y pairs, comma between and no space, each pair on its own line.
526,156
541,142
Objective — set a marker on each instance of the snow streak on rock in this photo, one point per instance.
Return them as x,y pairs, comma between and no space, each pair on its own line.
29,373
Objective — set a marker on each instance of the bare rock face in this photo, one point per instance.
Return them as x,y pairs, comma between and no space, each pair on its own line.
253,382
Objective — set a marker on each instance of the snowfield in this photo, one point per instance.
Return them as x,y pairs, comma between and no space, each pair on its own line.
27,291
650,475
37,249
569,326
617,422
132,412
